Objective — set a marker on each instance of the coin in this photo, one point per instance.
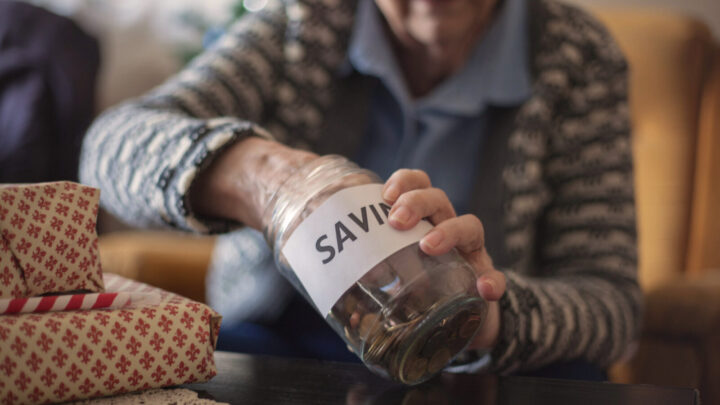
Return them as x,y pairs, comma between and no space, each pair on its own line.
405,310
397,326
438,360
434,342
377,346
457,321
415,369
455,343
469,328
366,323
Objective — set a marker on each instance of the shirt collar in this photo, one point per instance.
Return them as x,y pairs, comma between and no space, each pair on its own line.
496,73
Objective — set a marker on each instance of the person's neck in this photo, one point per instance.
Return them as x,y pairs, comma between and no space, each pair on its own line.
426,66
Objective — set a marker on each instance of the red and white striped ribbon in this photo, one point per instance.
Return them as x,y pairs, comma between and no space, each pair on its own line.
70,302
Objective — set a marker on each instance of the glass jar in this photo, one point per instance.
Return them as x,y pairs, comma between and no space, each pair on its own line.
404,313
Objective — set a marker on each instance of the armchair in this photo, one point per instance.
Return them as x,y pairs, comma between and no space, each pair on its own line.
675,101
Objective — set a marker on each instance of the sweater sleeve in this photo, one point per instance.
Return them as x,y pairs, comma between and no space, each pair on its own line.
582,301
145,154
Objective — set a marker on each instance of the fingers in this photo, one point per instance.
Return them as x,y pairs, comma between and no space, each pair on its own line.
464,232
412,206
491,286
413,198
491,283
402,181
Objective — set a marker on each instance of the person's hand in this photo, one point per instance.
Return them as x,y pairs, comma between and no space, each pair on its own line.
413,198
240,182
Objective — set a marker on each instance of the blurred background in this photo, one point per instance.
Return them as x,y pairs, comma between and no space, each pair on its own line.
145,41
706,10
672,48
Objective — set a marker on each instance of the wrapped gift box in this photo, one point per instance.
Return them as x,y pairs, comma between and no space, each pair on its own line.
60,356
48,241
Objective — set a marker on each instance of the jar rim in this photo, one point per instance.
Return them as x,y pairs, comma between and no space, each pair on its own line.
327,168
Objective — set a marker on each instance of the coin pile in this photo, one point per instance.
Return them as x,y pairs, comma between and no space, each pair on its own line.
408,334
414,354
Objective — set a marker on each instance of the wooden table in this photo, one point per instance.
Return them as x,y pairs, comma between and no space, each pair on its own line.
246,379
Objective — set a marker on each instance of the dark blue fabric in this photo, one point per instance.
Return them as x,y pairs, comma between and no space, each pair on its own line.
248,337
48,68
299,332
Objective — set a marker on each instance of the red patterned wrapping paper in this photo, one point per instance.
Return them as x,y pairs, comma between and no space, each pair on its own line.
61,356
48,241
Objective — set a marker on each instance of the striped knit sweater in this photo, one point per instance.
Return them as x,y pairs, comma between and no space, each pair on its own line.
568,221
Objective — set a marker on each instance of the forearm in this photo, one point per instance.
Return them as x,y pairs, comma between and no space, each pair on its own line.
146,154
239,183
549,320
144,161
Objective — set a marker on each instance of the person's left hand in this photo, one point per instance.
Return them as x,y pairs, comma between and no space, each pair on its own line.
413,198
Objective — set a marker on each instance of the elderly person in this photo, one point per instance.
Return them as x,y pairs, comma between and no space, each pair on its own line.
515,109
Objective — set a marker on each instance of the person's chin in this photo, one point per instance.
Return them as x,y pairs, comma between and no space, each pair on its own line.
441,17
437,32
441,7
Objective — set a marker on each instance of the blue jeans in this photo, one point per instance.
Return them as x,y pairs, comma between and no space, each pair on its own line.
301,332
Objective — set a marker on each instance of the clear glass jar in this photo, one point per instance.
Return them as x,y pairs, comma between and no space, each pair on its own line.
409,315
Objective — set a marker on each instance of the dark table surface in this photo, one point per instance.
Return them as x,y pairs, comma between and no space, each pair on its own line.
246,379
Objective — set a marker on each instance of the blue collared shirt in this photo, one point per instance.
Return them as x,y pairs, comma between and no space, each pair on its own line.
441,133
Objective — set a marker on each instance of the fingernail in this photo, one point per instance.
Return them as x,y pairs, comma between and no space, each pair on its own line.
433,239
491,283
401,215
391,193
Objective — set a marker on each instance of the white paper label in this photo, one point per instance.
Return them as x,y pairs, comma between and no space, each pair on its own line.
342,240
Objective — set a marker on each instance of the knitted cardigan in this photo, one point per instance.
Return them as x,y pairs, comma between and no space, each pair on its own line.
562,195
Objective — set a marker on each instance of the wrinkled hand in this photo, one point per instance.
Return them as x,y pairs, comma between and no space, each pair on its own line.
240,182
413,199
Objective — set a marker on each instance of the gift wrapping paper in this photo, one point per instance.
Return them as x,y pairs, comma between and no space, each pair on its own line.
61,356
48,241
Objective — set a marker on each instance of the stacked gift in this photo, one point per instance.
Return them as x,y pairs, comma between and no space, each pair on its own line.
67,331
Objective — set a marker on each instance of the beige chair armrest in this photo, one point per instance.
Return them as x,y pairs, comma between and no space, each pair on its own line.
680,342
172,261
687,308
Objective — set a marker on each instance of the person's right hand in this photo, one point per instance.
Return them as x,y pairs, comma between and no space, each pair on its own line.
413,198
239,183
